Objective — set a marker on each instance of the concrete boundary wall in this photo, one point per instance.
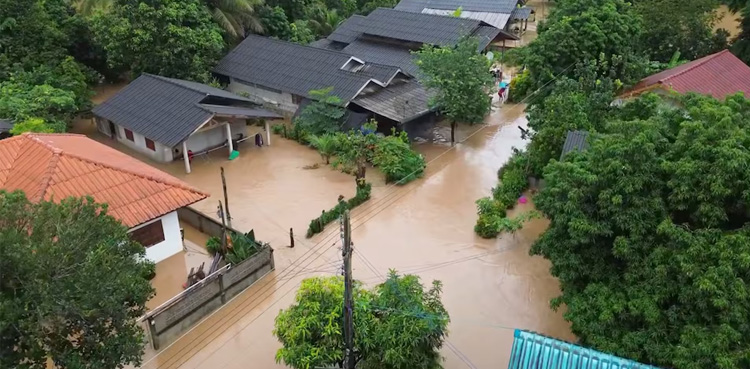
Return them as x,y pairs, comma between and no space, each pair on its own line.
176,316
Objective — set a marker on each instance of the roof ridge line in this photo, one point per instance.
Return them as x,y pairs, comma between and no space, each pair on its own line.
60,152
460,19
300,45
705,60
51,165
169,80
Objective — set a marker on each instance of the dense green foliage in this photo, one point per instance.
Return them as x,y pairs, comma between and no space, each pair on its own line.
397,160
600,33
459,77
649,234
41,70
513,178
172,38
240,246
398,324
741,46
572,105
684,26
318,224
73,285
323,115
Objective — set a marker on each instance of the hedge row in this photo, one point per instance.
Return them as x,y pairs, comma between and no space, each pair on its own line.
492,210
318,224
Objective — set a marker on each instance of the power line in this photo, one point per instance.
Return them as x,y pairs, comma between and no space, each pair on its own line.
307,254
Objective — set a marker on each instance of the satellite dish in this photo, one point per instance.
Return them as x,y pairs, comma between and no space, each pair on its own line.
490,56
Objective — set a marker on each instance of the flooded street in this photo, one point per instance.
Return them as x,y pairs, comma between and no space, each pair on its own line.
424,228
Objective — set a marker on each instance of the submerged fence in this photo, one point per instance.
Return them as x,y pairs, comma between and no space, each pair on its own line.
174,317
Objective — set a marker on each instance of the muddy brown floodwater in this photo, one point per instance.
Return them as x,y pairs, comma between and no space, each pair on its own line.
424,228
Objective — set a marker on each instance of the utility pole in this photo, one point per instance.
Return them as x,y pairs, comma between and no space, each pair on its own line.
223,229
226,199
346,239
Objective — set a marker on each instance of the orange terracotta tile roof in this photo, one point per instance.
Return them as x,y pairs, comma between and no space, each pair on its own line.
56,166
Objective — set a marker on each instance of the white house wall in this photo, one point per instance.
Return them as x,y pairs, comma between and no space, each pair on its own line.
172,243
282,100
162,152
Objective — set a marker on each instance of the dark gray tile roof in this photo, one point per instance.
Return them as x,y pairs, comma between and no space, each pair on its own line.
402,102
416,27
165,110
383,53
297,69
240,111
490,6
5,125
349,30
576,140
521,13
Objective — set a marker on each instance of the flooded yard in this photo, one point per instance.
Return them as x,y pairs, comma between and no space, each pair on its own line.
424,228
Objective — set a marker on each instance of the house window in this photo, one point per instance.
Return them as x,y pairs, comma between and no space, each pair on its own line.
149,235
150,144
129,135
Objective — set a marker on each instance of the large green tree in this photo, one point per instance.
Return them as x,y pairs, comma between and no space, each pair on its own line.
236,17
605,32
684,26
398,325
72,285
650,235
741,45
172,38
460,79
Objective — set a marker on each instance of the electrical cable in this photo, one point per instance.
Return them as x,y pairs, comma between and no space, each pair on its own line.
307,254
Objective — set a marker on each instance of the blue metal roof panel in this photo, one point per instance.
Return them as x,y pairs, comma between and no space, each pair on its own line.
534,351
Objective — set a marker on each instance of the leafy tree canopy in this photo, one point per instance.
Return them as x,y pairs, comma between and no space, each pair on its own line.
173,38
649,234
398,324
603,32
72,286
322,115
684,26
460,78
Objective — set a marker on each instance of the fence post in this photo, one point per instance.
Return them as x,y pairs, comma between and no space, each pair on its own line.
222,295
152,333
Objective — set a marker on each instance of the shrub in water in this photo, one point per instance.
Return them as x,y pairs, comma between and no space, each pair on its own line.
397,160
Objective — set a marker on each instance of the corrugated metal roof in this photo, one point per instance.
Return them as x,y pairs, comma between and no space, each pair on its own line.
534,351
401,103
492,6
498,20
297,69
57,166
162,109
718,75
522,13
575,140
240,112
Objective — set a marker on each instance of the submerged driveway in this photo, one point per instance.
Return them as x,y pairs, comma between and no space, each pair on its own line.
424,228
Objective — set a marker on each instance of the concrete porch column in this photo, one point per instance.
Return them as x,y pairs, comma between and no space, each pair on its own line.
268,133
229,137
185,157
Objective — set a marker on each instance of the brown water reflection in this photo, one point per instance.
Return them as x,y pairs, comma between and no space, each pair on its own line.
425,228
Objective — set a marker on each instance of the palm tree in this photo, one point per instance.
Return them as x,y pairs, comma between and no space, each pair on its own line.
327,146
236,16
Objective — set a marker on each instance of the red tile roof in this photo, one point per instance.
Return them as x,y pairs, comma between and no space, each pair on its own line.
718,75
56,166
